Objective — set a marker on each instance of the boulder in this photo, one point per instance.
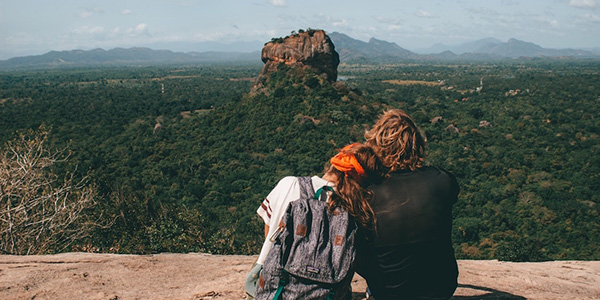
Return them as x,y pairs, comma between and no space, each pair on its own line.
311,49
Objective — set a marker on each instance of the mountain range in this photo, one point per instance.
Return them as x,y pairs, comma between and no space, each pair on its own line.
349,49
484,49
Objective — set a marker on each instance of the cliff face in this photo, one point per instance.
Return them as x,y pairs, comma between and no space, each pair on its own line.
312,49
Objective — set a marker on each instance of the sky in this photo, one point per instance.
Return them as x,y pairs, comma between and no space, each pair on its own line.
33,27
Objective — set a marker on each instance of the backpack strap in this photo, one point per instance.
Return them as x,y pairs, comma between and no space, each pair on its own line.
283,280
331,295
323,196
306,187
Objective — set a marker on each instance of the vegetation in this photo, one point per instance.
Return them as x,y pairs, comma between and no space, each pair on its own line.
38,210
280,40
523,145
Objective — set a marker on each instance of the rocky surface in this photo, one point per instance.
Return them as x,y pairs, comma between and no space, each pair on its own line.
310,49
203,276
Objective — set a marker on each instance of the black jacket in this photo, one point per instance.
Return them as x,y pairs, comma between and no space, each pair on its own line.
411,255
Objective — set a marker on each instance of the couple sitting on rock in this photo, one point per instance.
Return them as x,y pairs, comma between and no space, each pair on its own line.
400,208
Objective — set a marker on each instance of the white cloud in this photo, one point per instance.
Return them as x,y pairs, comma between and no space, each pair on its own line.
85,14
482,11
126,12
507,19
278,2
115,31
324,21
338,22
90,12
389,21
424,14
549,21
213,36
583,3
138,30
87,30
591,17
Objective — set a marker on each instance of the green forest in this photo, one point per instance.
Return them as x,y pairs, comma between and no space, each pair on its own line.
178,158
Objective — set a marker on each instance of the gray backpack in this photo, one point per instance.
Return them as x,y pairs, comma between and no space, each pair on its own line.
313,252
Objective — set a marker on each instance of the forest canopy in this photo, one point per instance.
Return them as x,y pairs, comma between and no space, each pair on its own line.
180,157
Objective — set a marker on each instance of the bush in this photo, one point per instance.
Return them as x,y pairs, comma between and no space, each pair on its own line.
519,249
39,211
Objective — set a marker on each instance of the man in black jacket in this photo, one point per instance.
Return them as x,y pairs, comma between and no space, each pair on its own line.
410,256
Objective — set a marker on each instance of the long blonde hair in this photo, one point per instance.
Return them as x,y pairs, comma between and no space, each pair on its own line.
397,140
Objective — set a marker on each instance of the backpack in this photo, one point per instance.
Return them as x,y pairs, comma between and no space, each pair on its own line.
313,253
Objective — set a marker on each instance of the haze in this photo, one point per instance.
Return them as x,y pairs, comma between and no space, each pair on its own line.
31,27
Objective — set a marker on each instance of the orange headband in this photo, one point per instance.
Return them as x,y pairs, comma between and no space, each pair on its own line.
347,162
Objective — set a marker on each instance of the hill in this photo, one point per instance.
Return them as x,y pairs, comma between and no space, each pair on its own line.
485,49
467,47
349,49
493,49
121,56
202,277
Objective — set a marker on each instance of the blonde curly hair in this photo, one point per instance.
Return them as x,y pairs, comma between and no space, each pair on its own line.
397,140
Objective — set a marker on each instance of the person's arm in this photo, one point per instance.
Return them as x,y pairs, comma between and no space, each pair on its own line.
266,231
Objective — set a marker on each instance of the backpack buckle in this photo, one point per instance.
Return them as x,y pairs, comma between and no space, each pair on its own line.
276,233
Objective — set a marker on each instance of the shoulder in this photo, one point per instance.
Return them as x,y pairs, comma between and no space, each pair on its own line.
319,182
445,178
426,177
287,181
284,186
445,173
435,172
424,172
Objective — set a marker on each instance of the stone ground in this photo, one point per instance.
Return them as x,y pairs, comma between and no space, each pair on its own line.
203,276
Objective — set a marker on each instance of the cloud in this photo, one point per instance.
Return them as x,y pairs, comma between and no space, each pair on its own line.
89,30
99,33
591,17
424,14
85,14
583,3
547,21
139,30
126,12
389,21
115,31
324,21
278,2
90,12
207,37
337,22
482,11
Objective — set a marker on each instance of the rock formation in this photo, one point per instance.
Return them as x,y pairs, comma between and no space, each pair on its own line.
310,49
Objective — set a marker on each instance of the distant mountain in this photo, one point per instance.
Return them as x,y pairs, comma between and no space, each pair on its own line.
445,55
349,49
353,49
468,47
122,56
210,46
485,49
594,50
515,48
491,48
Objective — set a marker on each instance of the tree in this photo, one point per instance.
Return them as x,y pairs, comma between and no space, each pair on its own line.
39,211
